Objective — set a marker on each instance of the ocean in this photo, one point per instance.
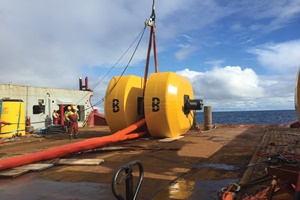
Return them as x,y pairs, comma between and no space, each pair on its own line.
251,117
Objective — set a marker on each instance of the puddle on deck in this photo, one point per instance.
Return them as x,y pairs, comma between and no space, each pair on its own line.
29,187
194,190
222,166
199,189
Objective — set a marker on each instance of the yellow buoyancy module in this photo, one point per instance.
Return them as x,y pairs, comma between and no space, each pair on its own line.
121,101
13,114
166,97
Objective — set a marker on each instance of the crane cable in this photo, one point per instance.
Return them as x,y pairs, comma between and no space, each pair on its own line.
103,99
151,23
140,35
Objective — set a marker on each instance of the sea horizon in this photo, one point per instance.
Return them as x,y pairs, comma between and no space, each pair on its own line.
248,110
250,117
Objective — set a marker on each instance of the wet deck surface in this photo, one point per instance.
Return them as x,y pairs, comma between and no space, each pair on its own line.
194,167
30,187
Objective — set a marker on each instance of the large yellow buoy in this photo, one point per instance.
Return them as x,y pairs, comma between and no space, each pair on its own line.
122,100
167,105
13,113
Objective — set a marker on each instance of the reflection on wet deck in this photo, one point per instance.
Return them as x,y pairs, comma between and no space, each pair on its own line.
194,190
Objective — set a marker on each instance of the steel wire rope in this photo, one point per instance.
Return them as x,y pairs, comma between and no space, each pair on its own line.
141,33
138,44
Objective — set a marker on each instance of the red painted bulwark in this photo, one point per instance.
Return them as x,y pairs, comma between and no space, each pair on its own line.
295,125
96,119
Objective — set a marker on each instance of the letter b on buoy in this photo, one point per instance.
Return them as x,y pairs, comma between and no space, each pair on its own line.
115,105
155,104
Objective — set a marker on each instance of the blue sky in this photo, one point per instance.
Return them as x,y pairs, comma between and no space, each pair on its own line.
238,55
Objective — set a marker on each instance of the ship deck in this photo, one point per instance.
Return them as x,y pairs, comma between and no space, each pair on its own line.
195,166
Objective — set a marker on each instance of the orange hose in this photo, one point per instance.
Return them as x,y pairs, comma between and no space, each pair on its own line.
61,151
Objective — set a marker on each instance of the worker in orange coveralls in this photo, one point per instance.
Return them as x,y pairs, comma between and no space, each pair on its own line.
72,118
65,115
55,117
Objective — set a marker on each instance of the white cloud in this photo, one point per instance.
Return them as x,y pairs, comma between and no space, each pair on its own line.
280,57
48,43
52,43
215,63
278,86
184,52
268,15
99,93
260,92
226,83
232,88
190,75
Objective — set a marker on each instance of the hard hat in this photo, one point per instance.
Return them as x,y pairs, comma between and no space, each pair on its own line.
55,110
74,107
69,107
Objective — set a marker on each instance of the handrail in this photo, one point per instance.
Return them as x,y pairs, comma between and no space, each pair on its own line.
131,193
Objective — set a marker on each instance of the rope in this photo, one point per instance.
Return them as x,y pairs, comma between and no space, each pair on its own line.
103,99
142,32
140,35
